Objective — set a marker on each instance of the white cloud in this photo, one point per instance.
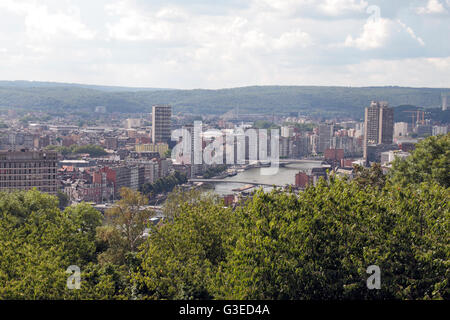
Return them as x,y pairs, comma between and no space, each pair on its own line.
170,25
172,14
329,8
432,7
375,34
41,24
206,33
338,7
380,32
292,39
184,44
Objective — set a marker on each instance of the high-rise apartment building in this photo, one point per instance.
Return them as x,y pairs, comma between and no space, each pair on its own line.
24,170
444,101
161,123
378,125
193,157
325,137
386,130
287,132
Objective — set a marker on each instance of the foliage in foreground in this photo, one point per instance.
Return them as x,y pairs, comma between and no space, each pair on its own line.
280,245
316,245
38,242
429,162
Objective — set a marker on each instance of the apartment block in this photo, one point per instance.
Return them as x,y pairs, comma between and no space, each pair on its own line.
378,125
161,123
325,137
25,170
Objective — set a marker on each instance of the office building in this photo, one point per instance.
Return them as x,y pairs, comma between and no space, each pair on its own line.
133,123
374,151
389,156
25,170
161,123
424,130
400,129
437,130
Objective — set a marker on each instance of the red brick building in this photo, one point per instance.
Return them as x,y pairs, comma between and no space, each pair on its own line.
302,180
334,155
228,200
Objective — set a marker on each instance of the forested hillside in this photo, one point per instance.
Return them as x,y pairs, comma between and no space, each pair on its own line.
266,99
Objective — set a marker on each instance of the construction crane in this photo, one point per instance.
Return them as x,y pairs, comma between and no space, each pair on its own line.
423,116
413,114
418,116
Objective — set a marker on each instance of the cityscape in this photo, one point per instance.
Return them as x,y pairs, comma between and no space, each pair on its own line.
92,163
227,152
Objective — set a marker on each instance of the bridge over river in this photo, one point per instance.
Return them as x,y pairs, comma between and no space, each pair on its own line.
234,181
294,161
283,178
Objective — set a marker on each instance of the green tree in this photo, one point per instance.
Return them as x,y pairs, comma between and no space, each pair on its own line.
180,258
314,245
38,242
214,171
168,153
63,200
430,161
318,244
372,177
126,223
92,150
262,124
173,206
166,184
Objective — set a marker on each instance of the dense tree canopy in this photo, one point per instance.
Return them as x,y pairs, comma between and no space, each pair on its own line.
165,184
315,244
38,242
430,161
181,258
92,150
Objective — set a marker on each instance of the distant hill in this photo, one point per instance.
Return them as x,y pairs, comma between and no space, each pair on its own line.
41,84
313,100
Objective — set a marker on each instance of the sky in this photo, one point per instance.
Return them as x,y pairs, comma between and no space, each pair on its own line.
213,44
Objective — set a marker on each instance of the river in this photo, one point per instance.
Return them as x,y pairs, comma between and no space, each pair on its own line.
285,175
